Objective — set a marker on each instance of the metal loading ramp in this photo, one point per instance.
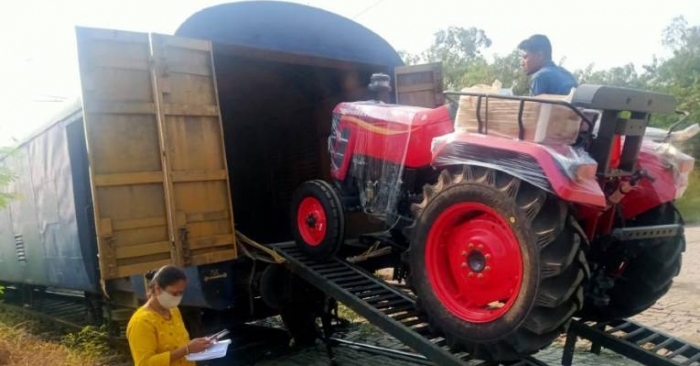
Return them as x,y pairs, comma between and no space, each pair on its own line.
634,341
382,304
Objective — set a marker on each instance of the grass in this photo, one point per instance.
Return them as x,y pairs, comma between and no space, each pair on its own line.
27,341
689,204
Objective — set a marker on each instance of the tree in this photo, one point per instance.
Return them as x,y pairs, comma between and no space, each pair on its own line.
409,58
625,76
680,74
459,50
507,69
6,177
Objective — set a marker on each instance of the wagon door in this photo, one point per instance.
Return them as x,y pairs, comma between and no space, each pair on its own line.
158,169
419,85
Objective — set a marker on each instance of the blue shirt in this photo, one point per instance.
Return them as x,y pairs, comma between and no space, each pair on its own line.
552,79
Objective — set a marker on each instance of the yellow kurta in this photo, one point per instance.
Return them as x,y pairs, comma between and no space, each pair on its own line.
152,337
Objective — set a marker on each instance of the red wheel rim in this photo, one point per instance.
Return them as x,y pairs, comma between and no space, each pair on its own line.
311,221
474,263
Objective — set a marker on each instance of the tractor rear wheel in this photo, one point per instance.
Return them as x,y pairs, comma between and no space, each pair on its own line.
648,276
318,220
497,270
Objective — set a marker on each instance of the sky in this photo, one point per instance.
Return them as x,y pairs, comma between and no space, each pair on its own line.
38,60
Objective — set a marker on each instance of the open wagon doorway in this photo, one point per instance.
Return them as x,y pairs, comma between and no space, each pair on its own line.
276,125
281,68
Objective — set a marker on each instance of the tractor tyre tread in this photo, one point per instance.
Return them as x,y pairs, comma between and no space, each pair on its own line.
553,293
335,218
648,276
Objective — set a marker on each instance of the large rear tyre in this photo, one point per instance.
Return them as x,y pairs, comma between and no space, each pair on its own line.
648,276
318,220
496,268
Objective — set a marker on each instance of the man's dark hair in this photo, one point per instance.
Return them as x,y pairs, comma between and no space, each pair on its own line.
537,43
166,276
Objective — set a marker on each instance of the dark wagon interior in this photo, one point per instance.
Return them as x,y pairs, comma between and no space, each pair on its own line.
281,68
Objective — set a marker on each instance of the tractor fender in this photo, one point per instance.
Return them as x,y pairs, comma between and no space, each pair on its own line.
670,170
564,171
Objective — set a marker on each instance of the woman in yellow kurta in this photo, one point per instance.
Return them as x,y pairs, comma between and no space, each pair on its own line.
156,331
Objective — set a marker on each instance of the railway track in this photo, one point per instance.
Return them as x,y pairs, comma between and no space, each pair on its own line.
68,310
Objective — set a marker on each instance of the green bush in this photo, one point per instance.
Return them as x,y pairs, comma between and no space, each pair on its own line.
7,176
689,204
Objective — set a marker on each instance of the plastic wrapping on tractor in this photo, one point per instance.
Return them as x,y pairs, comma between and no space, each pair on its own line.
563,170
375,152
372,143
670,169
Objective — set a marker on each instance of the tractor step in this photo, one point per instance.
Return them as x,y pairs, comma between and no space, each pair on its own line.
634,341
391,309
647,232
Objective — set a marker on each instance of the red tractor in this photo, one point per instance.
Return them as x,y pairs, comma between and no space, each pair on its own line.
503,240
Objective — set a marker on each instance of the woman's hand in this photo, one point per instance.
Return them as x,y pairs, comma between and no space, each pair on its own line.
199,344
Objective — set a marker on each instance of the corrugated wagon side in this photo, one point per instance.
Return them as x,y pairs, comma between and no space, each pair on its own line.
45,232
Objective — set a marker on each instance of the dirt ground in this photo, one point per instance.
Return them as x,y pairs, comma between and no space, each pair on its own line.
678,313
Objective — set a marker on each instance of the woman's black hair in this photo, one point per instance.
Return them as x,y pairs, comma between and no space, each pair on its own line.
165,276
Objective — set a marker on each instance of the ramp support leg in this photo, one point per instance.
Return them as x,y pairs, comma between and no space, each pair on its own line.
329,305
567,358
595,345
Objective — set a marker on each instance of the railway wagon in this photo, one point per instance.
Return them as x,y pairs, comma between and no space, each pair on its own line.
174,136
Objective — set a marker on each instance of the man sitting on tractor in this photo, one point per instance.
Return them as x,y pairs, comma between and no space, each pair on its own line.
546,77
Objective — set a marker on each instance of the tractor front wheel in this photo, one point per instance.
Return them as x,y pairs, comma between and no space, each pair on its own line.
317,219
496,268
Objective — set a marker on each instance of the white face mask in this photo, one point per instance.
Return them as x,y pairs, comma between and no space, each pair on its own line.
168,301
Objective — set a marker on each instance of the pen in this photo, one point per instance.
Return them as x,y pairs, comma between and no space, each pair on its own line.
217,336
